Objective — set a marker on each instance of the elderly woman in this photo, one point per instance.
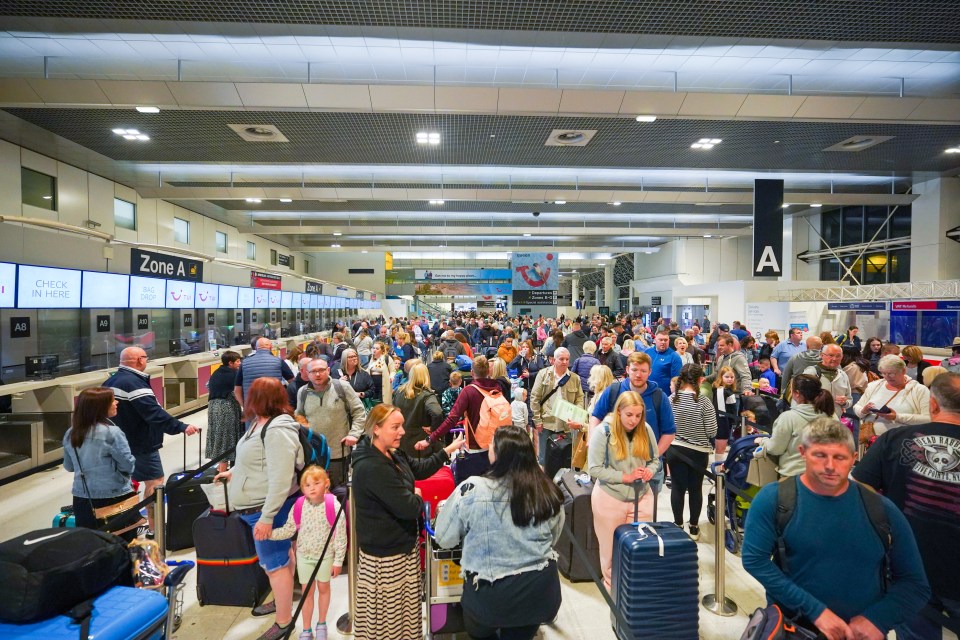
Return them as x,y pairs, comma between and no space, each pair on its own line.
382,367
680,344
388,509
893,401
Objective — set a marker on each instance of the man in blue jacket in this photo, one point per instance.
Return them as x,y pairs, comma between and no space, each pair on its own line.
665,362
832,574
659,413
142,420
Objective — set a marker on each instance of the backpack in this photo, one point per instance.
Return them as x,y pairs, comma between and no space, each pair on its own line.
330,502
872,504
450,351
495,412
463,362
657,399
315,448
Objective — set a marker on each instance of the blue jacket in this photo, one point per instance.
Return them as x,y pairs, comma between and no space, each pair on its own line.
478,514
661,421
139,414
262,364
581,366
106,460
666,366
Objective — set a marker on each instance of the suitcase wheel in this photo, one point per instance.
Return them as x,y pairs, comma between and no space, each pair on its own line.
711,509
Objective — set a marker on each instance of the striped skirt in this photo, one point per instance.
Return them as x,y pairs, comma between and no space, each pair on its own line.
389,597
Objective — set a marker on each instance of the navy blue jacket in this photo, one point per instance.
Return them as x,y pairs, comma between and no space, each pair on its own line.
139,414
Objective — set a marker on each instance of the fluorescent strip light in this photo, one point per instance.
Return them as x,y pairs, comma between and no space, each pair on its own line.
148,109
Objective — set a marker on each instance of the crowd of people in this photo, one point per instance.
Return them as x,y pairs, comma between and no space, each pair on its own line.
387,394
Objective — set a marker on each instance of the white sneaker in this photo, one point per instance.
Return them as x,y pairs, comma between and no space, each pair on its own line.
321,632
308,635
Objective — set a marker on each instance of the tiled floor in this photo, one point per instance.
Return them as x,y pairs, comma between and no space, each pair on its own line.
31,502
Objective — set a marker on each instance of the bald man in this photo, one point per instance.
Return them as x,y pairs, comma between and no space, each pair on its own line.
142,420
262,364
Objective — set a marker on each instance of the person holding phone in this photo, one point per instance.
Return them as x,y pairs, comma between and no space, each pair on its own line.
893,401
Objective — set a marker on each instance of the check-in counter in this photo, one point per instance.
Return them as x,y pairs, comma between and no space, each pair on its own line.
286,345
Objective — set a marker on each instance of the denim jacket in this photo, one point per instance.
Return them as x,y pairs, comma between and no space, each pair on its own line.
106,460
478,514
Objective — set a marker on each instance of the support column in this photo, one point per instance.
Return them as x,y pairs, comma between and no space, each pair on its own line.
934,256
609,291
574,290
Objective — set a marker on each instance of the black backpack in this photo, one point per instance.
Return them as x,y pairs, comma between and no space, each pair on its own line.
46,572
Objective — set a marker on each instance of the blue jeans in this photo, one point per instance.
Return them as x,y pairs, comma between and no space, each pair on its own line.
920,628
273,554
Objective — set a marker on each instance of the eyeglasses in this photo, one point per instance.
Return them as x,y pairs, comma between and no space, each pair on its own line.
319,371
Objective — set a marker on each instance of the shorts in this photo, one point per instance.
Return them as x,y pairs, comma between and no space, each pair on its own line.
147,466
305,565
273,554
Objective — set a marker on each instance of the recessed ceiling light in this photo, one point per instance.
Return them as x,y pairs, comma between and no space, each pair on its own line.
143,136
253,200
425,137
616,204
337,233
286,199
148,109
48,197
559,202
334,246
816,205
129,137
646,118
436,202
953,150
119,132
527,235
706,143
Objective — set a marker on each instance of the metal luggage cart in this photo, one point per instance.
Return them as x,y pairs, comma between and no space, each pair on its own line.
442,584
174,586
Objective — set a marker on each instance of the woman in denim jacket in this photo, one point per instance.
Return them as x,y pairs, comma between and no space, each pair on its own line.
104,456
508,520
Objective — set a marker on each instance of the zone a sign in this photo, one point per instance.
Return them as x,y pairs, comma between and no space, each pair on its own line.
148,263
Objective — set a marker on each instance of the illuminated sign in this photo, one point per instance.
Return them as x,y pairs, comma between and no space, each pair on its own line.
208,295
105,290
46,288
180,294
8,281
147,293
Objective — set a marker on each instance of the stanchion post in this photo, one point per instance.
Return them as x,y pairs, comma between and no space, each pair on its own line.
345,622
160,518
717,602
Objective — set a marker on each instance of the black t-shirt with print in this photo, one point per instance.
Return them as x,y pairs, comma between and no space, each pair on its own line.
918,468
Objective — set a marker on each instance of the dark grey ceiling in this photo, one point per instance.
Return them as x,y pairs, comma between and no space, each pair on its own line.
389,138
930,21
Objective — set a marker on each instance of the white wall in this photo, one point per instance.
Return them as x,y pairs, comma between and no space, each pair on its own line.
933,256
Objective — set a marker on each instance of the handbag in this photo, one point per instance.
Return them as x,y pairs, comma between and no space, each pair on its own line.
769,623
116,518
761,472
579,459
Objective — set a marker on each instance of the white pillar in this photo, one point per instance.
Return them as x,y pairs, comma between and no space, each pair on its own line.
934,256
609,291
574,290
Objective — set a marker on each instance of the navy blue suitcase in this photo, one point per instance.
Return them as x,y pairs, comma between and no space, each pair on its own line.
655,582
120,613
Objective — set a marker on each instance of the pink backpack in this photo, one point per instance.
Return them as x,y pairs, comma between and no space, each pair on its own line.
330,501
495,412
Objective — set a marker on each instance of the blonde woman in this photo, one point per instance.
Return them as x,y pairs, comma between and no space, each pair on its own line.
680,344
382,368
622,458
421,411
404,350
498,372
600,378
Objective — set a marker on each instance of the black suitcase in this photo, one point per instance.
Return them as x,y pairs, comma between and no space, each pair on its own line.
559,452
655,591
186,502
578,512
228,569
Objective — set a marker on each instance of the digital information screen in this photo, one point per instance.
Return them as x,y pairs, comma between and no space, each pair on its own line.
261,297
147,293
286,300
245,298
274,299
295,302
105,290
47,288
8,284
228,297
207,295
180,294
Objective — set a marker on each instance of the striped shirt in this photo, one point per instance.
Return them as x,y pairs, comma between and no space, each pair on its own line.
696,421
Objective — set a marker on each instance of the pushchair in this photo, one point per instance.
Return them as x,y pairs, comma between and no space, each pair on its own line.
764,407
738,493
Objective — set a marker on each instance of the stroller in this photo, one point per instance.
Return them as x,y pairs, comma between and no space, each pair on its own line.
764,407
734,470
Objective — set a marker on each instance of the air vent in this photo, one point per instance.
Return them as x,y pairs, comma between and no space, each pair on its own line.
258,132
570,137
858,143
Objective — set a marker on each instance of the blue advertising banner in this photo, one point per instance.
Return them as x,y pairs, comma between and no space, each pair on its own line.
462,289
462,275
535,271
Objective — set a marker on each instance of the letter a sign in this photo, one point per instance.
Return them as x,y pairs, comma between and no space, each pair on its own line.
768,228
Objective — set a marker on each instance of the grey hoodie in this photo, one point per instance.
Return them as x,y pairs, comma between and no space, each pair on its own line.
266,477
795,366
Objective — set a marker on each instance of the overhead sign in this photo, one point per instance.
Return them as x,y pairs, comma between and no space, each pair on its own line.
244,298
261,298
535,271
274,299
159,265
359,295
921,305
46,288
534,297
180,294
260,280
8,281
105,290
283,260
20,327
761,317
313,287
656,301
228,297
768,227
208,295
462,289
857,306
462,274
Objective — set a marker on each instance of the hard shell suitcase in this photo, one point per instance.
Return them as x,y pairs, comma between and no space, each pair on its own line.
559,452
655,582
66,518
120,613
186,502
228,569
578,511
436,488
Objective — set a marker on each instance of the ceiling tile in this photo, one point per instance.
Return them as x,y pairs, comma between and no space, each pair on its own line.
652,103
272,95
766,106
69,91
338,96
146,93
529,100
711,104
205,94
581,101
401,98
937,109
829,107
17,90
466,99
875,108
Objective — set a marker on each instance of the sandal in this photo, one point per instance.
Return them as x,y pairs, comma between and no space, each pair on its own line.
266,609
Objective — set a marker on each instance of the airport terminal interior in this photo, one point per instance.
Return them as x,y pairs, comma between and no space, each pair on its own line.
185,176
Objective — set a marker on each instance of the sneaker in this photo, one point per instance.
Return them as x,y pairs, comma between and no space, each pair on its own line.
266,609
308,635
275,632
694,532
321,632
149,535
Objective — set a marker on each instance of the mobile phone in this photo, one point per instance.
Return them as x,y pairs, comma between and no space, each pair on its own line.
884,409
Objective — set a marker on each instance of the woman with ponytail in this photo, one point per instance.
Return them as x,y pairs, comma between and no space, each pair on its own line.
808,401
